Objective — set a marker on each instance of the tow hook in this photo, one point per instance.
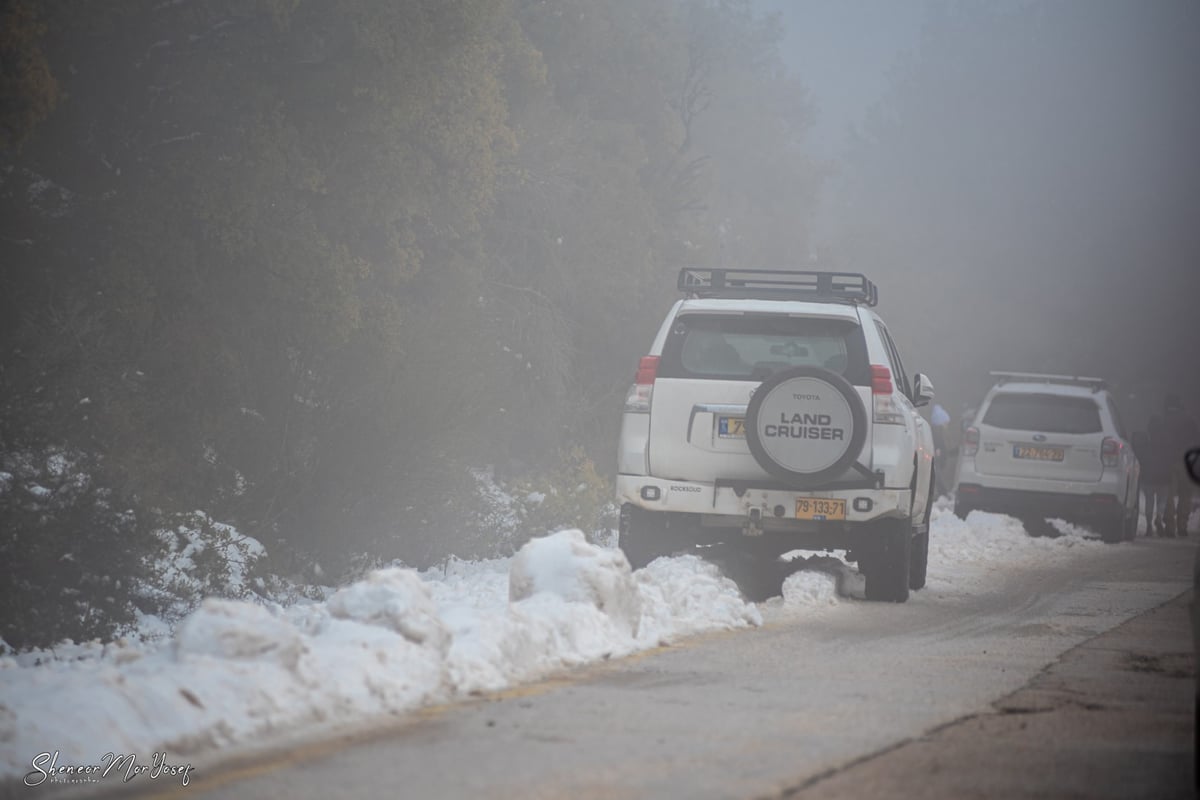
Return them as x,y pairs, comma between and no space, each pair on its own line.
753,526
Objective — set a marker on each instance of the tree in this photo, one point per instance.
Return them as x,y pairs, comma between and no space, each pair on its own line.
28,92
307,261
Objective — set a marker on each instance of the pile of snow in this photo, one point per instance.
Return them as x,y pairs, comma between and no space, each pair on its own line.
996,541
241,670
238,670
568,567
810,588
686,594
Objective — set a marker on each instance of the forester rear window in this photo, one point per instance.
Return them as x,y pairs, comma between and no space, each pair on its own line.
1044,412
752,347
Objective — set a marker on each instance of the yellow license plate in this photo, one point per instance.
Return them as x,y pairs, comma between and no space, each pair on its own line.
820,508
1039,453
731,427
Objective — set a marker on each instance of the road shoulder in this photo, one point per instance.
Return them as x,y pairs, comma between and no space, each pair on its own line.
1112,718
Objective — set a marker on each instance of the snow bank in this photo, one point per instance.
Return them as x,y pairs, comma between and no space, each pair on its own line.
236,671
686,595
567,566
963,555
964,552
810,588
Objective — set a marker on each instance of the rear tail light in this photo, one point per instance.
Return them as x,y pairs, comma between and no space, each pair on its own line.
881,380
647,371
1110,451
638,399
882,388
970,444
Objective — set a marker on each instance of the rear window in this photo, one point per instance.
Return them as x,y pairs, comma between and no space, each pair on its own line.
752,347
1044,412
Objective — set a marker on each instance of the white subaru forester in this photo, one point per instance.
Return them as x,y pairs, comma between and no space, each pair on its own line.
773,413
1050,446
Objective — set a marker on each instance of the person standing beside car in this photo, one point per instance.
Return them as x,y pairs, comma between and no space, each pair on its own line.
1178,432
940,423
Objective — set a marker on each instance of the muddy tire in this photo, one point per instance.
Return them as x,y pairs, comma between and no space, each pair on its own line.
919,565
888,562
1112,530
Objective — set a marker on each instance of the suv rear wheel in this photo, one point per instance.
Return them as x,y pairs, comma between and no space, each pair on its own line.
888,561
919,558
1120,527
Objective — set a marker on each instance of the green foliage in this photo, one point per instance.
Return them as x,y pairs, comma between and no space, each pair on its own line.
575,495
72,553
308,262
203,558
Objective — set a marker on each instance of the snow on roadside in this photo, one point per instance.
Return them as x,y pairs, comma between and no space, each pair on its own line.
962,553
810,588
237,671
962,556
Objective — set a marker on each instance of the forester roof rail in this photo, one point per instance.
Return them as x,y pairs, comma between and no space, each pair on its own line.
766,284
1037,377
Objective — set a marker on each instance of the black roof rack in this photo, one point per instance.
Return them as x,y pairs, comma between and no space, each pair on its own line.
766,284
1002,378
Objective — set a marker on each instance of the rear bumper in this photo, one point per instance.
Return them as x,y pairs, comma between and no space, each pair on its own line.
1096,505
769,503
1110,482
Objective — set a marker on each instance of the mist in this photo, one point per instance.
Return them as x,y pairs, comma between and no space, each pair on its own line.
323,270
1026,193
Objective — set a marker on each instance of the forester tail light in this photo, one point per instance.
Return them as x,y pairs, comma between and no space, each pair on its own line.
882,388
638,399
1110,451
970,444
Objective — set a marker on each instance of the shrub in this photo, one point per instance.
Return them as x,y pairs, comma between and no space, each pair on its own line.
72,554
573,496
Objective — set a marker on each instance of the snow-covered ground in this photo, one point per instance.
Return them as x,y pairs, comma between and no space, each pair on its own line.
237,671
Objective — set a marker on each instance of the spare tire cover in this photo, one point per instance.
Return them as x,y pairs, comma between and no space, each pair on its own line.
805,425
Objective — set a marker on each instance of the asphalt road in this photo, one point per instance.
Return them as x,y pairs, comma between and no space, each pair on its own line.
755,713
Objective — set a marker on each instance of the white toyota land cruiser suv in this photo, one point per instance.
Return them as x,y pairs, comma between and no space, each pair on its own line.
1050,446
773,413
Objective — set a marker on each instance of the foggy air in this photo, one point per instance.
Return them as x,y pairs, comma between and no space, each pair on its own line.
650,398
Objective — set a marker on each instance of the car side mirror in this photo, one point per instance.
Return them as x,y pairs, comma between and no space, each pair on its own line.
1192,459
922,390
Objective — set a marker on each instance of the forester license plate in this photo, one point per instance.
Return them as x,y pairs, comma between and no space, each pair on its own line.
820,508
731,427
1039,453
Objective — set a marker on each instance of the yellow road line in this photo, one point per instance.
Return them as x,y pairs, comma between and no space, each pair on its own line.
328,747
